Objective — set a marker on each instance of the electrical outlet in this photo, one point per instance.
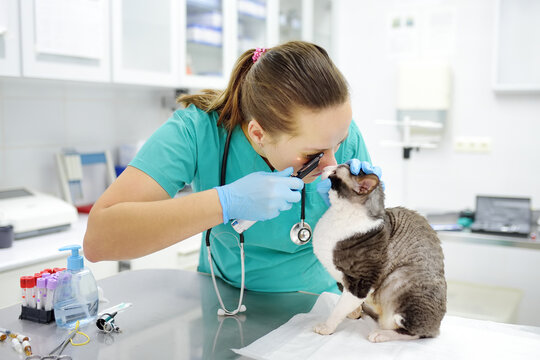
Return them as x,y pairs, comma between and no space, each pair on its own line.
473,144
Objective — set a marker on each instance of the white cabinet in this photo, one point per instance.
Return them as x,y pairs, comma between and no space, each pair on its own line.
66,39
206,33
257,24
321,24
167,43
9,38
145,42
517,47
217,32
290,20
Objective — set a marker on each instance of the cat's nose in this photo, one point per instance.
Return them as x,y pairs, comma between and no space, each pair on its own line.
327,171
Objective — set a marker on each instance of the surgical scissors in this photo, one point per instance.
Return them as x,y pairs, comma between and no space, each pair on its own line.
60,348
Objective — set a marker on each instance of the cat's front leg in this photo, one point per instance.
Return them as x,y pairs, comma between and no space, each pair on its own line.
356,313
345,305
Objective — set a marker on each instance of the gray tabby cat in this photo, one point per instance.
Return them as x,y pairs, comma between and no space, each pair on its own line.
389,262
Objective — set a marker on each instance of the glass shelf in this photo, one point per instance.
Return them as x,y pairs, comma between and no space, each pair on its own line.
322,26
251,25
204,37
290,20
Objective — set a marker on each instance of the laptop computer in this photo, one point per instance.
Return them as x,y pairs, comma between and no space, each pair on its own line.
503,215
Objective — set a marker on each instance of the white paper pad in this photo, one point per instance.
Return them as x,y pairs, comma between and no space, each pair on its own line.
460,338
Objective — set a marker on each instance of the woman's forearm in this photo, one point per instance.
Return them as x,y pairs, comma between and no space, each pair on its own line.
128,230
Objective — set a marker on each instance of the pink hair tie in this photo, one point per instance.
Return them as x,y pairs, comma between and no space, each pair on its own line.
257,54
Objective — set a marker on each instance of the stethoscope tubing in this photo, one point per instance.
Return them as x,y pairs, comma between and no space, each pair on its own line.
240,307
223,311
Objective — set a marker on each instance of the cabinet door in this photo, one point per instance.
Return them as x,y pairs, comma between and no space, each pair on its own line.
321,26
205,37
308,20
517,46
9,38
290,20
66,39
145,42
256,24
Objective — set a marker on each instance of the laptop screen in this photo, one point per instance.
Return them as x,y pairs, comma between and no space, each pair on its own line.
503,210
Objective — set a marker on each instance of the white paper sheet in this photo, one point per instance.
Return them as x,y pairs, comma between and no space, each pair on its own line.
460,338
69,27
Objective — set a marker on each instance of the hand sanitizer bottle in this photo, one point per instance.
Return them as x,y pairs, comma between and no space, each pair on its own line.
76,296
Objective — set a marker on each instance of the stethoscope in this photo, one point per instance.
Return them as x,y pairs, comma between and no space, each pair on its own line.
300,232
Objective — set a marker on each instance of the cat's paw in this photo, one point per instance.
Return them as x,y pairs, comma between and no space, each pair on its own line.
381,335
323,329
378,336
356,314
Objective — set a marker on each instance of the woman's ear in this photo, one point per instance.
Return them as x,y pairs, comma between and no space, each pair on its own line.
365,184
256,133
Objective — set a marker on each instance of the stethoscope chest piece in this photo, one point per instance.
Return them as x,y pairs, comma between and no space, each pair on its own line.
301,233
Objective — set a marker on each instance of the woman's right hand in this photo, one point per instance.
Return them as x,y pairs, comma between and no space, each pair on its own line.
259,196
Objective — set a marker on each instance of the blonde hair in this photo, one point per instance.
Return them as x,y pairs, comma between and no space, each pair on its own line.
284,79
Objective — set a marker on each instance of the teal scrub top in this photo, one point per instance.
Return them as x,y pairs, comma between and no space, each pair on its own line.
188,149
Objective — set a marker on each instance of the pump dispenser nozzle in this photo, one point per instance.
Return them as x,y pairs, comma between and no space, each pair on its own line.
75,262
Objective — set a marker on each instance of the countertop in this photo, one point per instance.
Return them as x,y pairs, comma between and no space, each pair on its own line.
488,239
37,249
175,317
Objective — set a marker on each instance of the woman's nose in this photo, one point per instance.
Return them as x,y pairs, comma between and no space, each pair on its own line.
328,159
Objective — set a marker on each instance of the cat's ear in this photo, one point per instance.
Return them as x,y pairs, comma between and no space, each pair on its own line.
365,184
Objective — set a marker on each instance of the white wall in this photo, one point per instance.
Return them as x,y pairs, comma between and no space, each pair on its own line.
38,118
441,178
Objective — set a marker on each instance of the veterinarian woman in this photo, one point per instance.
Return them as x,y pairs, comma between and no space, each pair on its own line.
282,106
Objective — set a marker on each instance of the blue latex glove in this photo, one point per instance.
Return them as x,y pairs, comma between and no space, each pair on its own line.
355,166
259,196
323,187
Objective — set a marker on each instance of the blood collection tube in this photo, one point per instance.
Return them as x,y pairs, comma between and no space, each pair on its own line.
27,348
3,336
29,283
31,291
24,299
51,287
41,297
